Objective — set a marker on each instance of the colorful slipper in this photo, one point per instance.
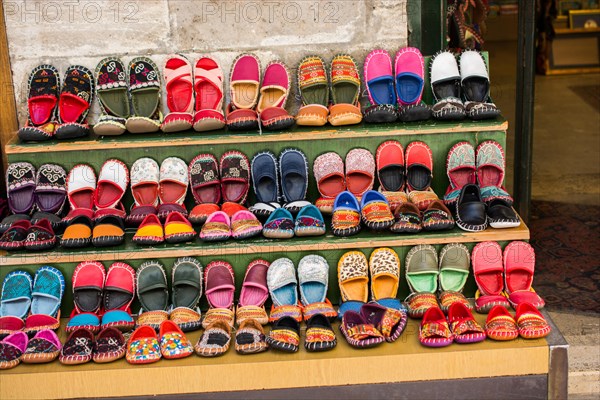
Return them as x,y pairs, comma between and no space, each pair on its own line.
460,168
434,330
313,275
390,166
445,85
244,90
42,101
422,278
407,219
15,301
380,87
279,225
201,212
375,211
388,321
119,289
180,94
215,339
475,84
282,283
143,346
419,166
47,294
110,346
353,277
81,187
328,169
12,348
319,334
345,90
245,225
187,290
488,272
178,229
44,347
109,230
235,176
20,187
463,326
314,91
111,91
78,233
208,87
359,333
144,188
284,335
531,323
437,217
11,219
409,67
78,348
519,267
144,90
491,165
273,97
500,325
173,343
150,231
152,293
360,171
346,215
384,270
40,236
422,198
254,294
293,168
51,188
454,271
219,281
216,228
309,222
250,337
76,97
112,184
204,179
14,238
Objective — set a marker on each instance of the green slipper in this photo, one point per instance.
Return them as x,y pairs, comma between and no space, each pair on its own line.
422,278
145,96
187,289
153,294
455,262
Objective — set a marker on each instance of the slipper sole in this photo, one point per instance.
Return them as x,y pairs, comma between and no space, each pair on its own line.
39,358
437,226
285,347
33,134
209,124
309,231
148,240
179,237
414,113
247,124
41,245
107,241
278,123
278,234
101,358
75,243
71,131
346,232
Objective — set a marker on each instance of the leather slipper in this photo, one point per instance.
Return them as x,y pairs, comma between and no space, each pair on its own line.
178,229
273,97
180,94
150,231
204,179
475,84
187,289
81,187
345,90
88,284
488,272
51,188
265,177
409,67
201,212
14,237
419,166
144,90
353,277
15,301
250,337
519,267
244,91
388,321
391,166
463,326
40,236
454,271
76,98
309,222
313,87
471,210
360,171
384,271
78,349
460,168
208,87
219,281
445,85
434,330
152,293
328,169
44,347
78,233
407,219
20,187
380,87
42,102
173,181
422,278
112,184
293,168
119,289
235,176
501,214
143,346
313,278
113,97
254,294
284,335
531,323
109,230
47,294
437,217
110,346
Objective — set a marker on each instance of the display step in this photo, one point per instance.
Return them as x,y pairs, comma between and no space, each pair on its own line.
258,246
404,361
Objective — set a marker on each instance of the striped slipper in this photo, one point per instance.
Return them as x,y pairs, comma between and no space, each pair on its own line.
250,338
463,326
359,332
434,330
500,325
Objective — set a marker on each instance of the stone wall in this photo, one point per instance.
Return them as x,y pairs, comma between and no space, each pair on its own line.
66,32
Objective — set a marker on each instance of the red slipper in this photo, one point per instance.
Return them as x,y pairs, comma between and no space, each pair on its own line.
235,177
273,96
487,269
119,289
208,85
463,326
390,166
88,284
519,266
204,179
180,94
360,171
200,213
419,166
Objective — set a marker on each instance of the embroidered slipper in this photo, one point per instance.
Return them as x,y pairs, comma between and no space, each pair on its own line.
353,277
390,166
201,212
215,339
519,267
112,184
282,283
319,334
422,278
309,222
219,281
419,166
208,86
51,188
437,217
152,293
454,271
44,347
314,91
204,179
235,176
173,343
11,219
244,83
12,348
279,225
78,349
394,198
463,326
20,187
475,84
445,85
113,97
345,90
14,238
15,301
531,323
172,186
460,168
422,198
434,330
384,270
491,165
360,171
346,215
81,187
178,229
143,346
76,97
313,275
388,321
500,325
144,189
47,294
284,335
250,337
78,233
375,211
273,97
187,290
119,289
180,94
216,228
42,101
409,67
88,284
359,333
407,219
110,346
265,178
144,90
109,230
471,210
328,169
380,87
40,236
245,225
254,294
502,215
293,168
488,271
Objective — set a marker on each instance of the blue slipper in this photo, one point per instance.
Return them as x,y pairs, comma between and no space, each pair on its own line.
375,210
88,321
346,215
282,282
265,179
351,305
280,225
313,273
293,169
309,222
48,290
16,294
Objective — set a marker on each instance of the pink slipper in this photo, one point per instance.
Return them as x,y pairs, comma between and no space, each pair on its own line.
519,266
360,171
273,96
208,86
410,72
488,270
328,169
254,294
379,79
180,94
244,90
219,281
216,228
245,225
460,168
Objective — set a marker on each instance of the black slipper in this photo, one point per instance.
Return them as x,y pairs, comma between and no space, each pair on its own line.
319,334
501,214
380,114
76,97
265,177
471,210
285,335
42,101
414,112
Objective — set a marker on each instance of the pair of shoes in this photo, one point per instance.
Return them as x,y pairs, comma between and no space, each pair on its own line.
409,219
281,225
194,95
51,113
249,104
314,87
373,210
177,229
285,179
504,278
201,212
219,226
22,235
372,325
145,347
30,304
397,171
153,294
438,331
402,87
128,101
528,323
102,299
104,231
424,270
82,347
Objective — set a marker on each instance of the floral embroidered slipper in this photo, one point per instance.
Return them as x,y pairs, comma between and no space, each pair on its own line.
391,166
172,187
273,97
152,293
463,326
254,294
180,94
78,348
328,169
319,334
173,343
208,86
409,68
422,278
434,330
15,301
309,222
144,189
380,87
245,225
44,347
445,85
314,91
500,325
407,219
244,91
47,293
293,171
284,335
215,339
235,176
216,228
187,290
40,236
388,321
375,211
110,346
250,337
488,272
353,280
42,102
346,215
475,84
143,346
437,217
51,188
113,97
20,187
119,289
384,271
76,97
360,171
178,229
345,90
531,323
204,179
359,333
460,168
12,348
454,271
491,165
419,166
279,225
88,284
519,267
144,90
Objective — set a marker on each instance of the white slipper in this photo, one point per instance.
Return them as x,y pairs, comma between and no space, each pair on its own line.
445,85
81,186
282,282
112,184
144,182
174,181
